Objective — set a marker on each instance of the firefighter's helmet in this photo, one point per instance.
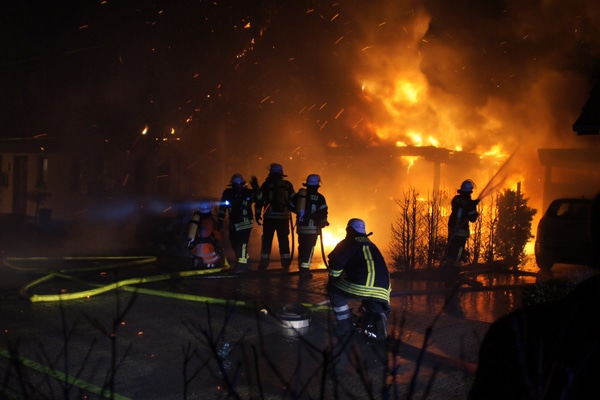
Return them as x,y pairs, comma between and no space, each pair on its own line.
276,169
466,186
205,207
237,180
313,180
358,225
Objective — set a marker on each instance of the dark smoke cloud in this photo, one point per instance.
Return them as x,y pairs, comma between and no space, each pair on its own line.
513,51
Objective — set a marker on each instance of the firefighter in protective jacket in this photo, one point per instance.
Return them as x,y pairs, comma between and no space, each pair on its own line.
464,211
274,203
311,212
357,270
237,201
204,238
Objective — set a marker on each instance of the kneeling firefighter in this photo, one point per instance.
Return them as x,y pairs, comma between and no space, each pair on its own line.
357,270
204,238
311,212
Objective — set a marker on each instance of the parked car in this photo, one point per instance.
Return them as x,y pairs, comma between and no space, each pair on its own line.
563,233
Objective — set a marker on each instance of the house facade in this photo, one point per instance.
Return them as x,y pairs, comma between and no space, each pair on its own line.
45,177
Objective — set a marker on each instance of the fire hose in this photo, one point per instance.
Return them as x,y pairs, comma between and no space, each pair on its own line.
489,188
61,376
323,248
125,284
292,227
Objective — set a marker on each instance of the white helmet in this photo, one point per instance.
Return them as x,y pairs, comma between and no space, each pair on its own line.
237,180
205,207
313,180
466,186
358,225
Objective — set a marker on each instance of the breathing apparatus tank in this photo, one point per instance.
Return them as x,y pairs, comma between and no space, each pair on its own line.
301,205
205,207
193,227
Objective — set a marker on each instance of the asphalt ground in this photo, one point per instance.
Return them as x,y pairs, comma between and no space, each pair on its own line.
147,328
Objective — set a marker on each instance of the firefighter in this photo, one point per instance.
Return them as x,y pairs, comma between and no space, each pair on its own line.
357,270
237,200
204,238
311,211
274,203
464,211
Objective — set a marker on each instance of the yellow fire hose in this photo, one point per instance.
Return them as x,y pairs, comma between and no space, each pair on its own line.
125,284
122,284
61,376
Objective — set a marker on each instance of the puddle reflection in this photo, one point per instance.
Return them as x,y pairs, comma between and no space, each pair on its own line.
501,293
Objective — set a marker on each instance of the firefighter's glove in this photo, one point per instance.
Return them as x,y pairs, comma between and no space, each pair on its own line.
254,183
191,243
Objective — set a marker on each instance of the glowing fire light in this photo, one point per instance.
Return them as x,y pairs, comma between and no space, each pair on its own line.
495,151
416,137
410,92
410,160
331,239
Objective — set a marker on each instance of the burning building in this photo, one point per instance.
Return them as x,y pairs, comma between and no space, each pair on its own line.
376,96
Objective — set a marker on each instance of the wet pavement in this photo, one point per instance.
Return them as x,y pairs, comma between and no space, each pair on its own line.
148,328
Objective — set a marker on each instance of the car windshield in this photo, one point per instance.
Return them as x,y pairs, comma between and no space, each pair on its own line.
570,210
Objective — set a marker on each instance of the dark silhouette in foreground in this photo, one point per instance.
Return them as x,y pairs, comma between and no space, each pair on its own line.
546,351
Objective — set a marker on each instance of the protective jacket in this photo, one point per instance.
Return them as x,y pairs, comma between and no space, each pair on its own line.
464,210
239,204
357,267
